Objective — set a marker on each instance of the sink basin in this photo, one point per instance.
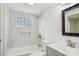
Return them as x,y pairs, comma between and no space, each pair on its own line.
70,50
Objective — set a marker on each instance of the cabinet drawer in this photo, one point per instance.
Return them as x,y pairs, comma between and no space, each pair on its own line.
52,52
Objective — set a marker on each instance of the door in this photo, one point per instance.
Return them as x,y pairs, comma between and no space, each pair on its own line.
0,30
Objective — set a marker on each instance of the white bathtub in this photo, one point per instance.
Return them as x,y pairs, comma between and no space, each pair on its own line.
23,51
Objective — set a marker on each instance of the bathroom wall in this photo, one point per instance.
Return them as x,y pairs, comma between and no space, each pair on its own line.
51,27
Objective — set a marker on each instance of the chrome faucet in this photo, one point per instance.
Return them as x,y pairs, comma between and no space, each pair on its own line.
71,44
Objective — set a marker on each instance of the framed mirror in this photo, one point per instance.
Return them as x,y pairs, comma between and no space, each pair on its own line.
70,21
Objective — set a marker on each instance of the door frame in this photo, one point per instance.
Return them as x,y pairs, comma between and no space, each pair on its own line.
4,27
1,28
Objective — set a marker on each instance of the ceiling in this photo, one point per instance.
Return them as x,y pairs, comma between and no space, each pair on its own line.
37,8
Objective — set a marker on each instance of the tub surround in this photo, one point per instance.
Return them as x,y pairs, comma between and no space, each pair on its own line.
64,49
22,50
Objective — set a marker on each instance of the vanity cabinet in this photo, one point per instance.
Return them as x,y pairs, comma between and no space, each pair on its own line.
52,52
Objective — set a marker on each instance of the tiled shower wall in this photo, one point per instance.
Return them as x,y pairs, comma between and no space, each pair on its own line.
19,36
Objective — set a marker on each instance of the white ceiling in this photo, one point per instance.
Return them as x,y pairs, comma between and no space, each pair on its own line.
37,8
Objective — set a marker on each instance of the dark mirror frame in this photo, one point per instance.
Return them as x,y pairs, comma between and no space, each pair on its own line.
63,21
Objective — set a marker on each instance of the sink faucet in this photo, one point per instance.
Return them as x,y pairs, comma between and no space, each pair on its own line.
71,44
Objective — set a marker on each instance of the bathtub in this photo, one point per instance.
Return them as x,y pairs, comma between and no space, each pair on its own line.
23,51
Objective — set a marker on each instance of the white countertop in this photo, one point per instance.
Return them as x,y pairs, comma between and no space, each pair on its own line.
63,48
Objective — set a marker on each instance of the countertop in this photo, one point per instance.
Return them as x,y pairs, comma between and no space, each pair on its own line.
63,48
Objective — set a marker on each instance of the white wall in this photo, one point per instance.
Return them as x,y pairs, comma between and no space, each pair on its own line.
50,28
52,25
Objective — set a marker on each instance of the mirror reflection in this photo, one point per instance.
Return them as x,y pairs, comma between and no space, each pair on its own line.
73,23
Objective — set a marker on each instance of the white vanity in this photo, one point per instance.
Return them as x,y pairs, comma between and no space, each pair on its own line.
52,52
61,49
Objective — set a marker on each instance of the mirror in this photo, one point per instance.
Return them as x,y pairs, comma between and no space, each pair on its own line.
73,21
70,21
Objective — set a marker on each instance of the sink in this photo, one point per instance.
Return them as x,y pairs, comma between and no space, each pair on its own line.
65,49
70,50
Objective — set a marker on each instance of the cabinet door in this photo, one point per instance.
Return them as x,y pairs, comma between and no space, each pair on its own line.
52,52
